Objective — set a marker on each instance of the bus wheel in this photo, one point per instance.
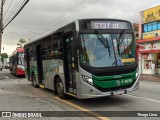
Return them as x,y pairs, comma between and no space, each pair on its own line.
60,89
34,83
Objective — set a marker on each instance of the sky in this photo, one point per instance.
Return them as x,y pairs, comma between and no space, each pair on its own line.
40,17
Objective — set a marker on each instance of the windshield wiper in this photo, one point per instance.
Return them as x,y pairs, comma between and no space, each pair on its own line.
103,41
119,43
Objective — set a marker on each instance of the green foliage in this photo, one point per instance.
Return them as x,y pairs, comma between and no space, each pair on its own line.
21,42
4,55
19,45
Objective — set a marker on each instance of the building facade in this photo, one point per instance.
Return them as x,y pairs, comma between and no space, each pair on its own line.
149,41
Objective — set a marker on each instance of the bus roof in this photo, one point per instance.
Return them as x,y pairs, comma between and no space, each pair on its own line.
39,38
61,28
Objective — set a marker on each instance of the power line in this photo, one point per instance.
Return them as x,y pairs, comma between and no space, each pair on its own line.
8,14
59,22
8,8
76,12
4,2
15,9
63,14
11,11
16,14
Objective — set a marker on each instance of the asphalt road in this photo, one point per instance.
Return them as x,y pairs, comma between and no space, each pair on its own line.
17,94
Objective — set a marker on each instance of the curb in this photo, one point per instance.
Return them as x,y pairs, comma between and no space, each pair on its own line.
158,81
3,77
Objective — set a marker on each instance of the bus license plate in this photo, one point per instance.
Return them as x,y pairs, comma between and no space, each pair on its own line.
118,92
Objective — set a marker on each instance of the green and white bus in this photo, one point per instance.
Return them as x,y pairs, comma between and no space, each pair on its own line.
87,58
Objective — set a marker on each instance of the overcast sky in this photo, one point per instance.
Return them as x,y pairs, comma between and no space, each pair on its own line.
40,17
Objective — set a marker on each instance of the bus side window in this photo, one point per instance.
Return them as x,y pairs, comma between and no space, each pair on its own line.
35,54
31,55
54,49
60,52
44,53
45,49
14,60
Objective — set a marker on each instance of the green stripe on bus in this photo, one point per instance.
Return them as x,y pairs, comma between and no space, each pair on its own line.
111,81
99,78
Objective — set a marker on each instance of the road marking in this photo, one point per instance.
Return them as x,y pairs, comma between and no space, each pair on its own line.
152,100
98,116
41,86
6,77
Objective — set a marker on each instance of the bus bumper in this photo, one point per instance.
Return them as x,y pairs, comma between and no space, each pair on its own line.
20,72
88,91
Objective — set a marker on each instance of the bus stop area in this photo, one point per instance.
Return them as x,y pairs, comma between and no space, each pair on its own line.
146,77
2,76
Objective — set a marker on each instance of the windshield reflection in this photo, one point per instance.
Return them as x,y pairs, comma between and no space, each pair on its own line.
124,49
94,53
21,59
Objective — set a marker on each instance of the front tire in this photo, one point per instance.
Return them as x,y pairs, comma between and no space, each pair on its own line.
60,89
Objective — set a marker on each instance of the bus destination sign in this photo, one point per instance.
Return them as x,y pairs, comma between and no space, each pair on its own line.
109,25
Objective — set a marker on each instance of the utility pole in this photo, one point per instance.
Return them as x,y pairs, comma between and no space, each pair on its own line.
1,24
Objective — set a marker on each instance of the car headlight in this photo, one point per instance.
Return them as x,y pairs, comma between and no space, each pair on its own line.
87,79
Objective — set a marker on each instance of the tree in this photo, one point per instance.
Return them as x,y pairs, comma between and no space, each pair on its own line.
21,42
4,55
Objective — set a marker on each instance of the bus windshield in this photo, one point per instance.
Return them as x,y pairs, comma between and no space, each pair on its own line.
107,50
20,58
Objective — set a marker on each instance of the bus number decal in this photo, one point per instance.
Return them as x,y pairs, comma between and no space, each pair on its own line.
102,25
109,25
115,25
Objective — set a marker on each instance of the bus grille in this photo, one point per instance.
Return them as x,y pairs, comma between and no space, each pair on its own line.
115,88
116,72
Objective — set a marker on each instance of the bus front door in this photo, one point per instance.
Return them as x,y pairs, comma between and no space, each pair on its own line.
70,80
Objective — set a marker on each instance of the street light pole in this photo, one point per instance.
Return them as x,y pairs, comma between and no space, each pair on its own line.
1,24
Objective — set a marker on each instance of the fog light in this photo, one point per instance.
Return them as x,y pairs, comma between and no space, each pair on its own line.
90,91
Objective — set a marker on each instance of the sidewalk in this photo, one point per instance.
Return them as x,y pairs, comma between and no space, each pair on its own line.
2,76
154,78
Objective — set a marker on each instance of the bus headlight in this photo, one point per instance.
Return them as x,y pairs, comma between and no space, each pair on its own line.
87,79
